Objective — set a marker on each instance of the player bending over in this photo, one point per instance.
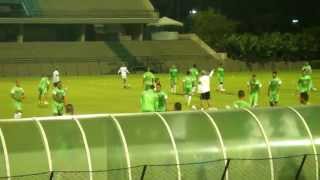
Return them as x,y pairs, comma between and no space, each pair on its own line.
173,75
43,89
273,89
161,100
148,79
148,100
220,76
59,99
17,95
123,71
254,86
195,75
204,88
241,102
188,84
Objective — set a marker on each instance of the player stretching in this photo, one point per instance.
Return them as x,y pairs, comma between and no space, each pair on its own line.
148,79
188,84
123,71
59,99
204,88
173,73
43,88
254,90
304,84
273,89
17,95
195,75
161,100
220,76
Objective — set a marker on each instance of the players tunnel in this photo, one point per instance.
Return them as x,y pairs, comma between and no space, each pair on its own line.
264,144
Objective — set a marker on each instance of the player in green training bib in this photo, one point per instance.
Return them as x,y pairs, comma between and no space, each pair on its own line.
148,100
43,89
188,84
305,83
254,90
220,77
241,102
173,75
273,89
194,72
148,79
161,100
59,99
17,95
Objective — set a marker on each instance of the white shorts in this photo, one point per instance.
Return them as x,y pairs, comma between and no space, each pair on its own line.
124,77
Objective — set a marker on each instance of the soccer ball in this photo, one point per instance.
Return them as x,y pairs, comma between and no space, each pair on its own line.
193,107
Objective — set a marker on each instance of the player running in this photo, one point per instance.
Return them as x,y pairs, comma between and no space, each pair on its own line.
195,75
17,95
273,89
59,99
254,90
123,71
173,75
220,76
241,102
161,100
43,88
188,84
148,100
148,79
305,83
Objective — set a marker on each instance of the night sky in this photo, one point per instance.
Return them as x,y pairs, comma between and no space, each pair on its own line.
256,15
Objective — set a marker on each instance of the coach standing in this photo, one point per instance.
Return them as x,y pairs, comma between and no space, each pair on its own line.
204,88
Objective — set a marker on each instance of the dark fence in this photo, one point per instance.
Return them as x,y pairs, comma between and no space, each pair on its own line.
284,168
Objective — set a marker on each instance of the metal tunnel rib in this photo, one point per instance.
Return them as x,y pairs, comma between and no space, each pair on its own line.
125,145
45,143
86,145
175,149
266,140
217,130
311,139
6,155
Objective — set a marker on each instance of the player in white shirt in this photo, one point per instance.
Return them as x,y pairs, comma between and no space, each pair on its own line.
55,77
204,88
123,71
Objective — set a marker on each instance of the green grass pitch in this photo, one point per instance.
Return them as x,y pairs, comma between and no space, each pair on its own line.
104,94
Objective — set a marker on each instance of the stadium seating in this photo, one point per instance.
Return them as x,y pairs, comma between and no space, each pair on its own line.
76,58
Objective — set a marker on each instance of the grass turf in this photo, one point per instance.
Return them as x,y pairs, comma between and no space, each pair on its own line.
104,94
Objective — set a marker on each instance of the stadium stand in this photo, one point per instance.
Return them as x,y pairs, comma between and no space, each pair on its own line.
76,58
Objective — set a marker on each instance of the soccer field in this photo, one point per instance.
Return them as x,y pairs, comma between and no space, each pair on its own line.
104,94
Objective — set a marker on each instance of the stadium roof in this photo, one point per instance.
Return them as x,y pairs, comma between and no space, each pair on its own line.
82,11
165,21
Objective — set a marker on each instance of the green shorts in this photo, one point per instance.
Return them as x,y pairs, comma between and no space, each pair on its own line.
43,91
220,80
58,108
17,105
254,99
173,81
274,98
188,90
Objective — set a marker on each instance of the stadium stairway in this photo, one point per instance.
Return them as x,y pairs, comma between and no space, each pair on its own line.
91,58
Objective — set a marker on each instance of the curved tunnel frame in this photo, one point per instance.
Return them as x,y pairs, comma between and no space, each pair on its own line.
126,148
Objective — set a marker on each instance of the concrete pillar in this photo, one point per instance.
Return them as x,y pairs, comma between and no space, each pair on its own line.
82,36
20,35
